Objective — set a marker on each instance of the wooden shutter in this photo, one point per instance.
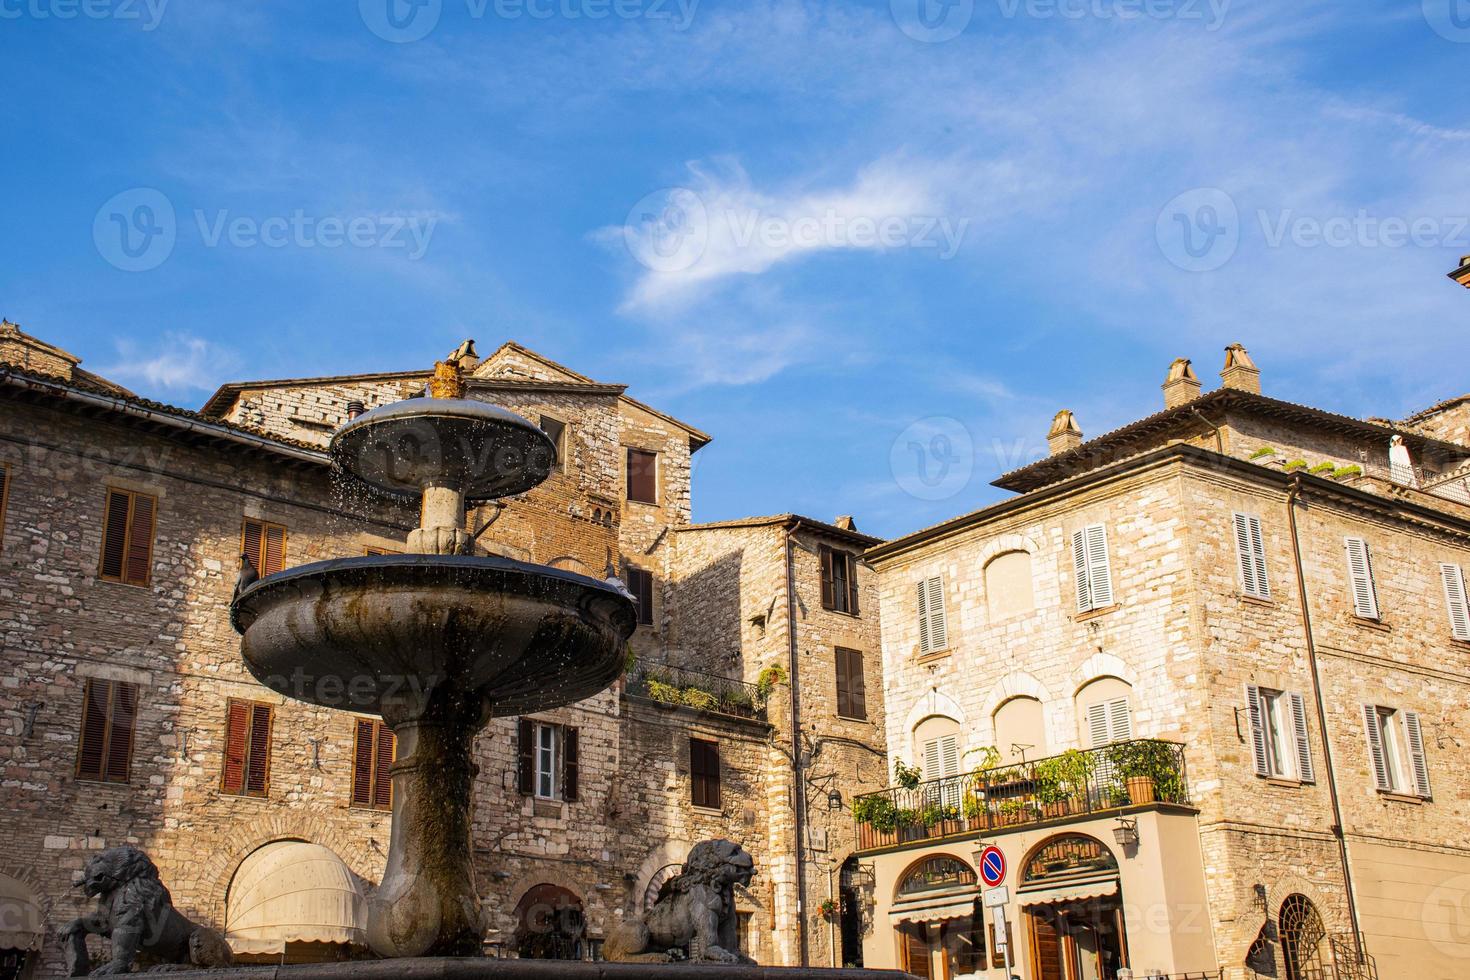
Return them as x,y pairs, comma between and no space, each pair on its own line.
257,771
1453,579
1376,749
1304,768
1257,712
105,745
250,535
1099,567
265,545
926,639
1418,764
1251,554
640,583
851,689
1097,725
120,731
642,476
237,746
275,549
526,757
829,599
571,764
704,773
4,496
1360,574
139,563
115,535
1079,571
938,631
364,745
384,752
852,586
1120,720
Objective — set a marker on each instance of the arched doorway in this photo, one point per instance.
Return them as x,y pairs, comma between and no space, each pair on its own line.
22,929
851,905
1070,893
937,915
549,924
1302,934
292,901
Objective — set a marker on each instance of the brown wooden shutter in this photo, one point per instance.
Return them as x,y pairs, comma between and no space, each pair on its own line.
92,746
844,685
857,694
571,764
4,496
237,746
704,773
386,752
120,731
526,757
115,534
250,542
364,744
642,476
257,776
139,565
828,596
852,585
275,549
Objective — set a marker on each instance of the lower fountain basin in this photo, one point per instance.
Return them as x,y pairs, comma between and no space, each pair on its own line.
364,633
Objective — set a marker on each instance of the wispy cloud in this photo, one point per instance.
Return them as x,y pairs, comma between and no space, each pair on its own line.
176,363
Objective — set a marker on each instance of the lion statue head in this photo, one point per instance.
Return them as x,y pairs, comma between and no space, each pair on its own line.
109,870
720,864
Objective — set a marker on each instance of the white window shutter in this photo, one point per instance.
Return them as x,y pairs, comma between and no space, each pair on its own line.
1245,555
1258,552
1099,569
926,637
1304,769
1376,748
931,759
949,756
1417,761
1258,728
1360,574
1120,720
1097,725
1453,577
1079,568
938,631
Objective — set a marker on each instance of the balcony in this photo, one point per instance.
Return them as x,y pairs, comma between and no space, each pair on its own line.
680,687
1062,787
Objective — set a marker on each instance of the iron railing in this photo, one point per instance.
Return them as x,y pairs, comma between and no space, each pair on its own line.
1076,783
666,684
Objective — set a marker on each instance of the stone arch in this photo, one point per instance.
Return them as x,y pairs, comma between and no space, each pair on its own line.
1005,544
934,704
1101,665
220,867
38,897
1016,684
665,854
1291,883
570,564
961,865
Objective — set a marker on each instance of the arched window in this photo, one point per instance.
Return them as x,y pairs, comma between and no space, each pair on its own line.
937,742
1301,937
1008,589
1020,731
1065,856
935,874
1105,712
549,924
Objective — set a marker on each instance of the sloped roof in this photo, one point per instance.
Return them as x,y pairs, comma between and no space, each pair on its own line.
857,537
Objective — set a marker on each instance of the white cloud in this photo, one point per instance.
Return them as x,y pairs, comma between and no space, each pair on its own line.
178,362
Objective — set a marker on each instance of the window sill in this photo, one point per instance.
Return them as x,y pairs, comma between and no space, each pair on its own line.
1083,617
1285,782
146,586
642,503
1376,625
707,810
933,656
853,721
546,808
842,612
1394,797
1255,600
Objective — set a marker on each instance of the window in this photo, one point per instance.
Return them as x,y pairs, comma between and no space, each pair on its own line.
264,544
933,636
839,581
105,748
1279,741
1250,551
371,551
1105,708
1093,571
4,496
640,583
1396,750
1008,586
127,538
1360,576
556,429
852,697
1453,579
247,749
373,752
1020,731
941,873
704,773
942,757
642,476
549,761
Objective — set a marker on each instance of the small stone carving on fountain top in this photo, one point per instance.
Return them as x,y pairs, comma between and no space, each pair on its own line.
694,916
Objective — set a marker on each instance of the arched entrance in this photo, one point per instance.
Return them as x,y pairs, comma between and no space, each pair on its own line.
549,924
21,929
294,902
1302,935
851,905
936,913
1070,893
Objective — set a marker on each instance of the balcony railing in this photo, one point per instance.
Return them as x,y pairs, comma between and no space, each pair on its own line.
1073,784
696,689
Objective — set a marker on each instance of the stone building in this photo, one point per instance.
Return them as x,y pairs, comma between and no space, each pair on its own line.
126,715
1204,681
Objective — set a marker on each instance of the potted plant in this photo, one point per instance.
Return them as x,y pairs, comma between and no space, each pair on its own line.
1052,789
1077,768
828,909
1148,770
974,808
906,775
1012,812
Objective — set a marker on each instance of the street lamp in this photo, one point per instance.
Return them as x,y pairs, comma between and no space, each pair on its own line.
1126,832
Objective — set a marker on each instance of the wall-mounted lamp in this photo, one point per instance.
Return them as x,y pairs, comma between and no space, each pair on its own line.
1125,832
834,800
1260,904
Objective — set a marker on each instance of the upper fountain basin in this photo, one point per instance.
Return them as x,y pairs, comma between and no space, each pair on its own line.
481,449
365,634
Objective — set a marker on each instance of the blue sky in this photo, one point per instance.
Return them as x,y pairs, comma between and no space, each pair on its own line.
847,239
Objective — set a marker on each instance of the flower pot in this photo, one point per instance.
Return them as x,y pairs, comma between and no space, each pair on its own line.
1054,811
1141,790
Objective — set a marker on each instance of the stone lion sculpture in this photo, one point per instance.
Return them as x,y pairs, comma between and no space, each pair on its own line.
136,912
694,913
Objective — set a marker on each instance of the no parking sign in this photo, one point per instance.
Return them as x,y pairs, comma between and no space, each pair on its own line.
992,866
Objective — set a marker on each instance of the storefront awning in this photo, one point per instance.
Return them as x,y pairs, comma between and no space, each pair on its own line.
293,892
1070,891
21,924
934,908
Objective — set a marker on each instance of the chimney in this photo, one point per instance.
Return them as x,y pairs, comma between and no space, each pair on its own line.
1064,434
1462,274
845,522
1181,386
1240,371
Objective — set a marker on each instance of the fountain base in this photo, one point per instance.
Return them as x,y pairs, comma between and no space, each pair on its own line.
484,968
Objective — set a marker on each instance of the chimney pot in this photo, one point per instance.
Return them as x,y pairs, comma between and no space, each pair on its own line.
1240,371
1065,434
845,522
354,409
1181,386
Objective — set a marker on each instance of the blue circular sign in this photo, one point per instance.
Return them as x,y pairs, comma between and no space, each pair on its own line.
992,866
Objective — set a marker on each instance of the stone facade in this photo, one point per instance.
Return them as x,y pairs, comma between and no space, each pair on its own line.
257,452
